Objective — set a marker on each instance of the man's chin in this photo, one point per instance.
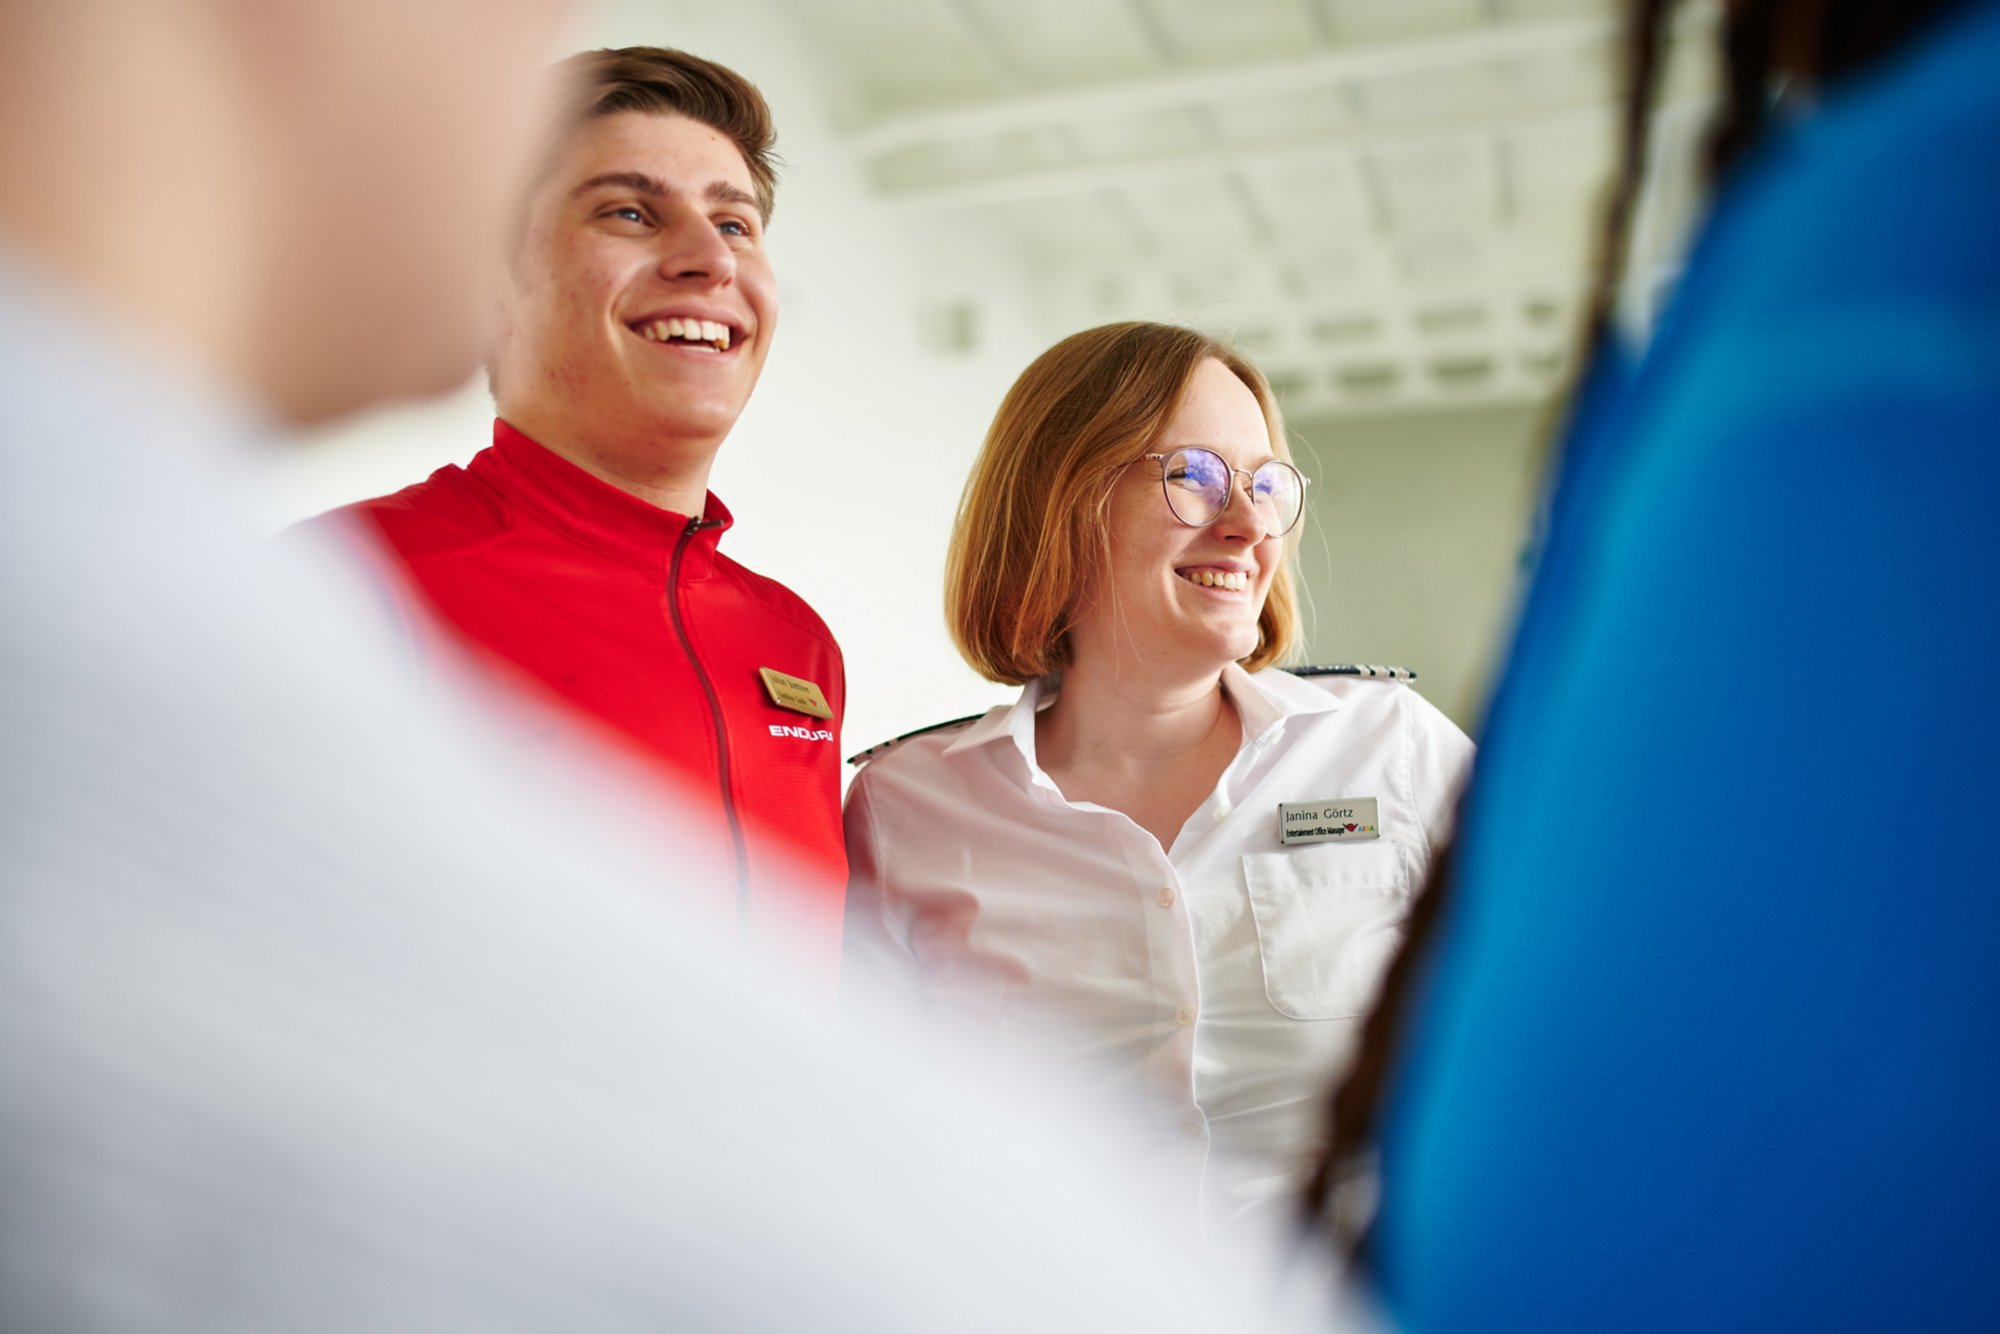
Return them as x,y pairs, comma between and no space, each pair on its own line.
675,417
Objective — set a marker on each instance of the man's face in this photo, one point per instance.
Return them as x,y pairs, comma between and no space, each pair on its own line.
641,304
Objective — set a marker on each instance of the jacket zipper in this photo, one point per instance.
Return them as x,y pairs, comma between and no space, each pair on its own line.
736,841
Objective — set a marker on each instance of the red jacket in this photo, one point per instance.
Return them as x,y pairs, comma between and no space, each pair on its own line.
630,615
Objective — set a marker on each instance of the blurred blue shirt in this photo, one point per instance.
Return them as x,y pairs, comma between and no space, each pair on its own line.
1712,1040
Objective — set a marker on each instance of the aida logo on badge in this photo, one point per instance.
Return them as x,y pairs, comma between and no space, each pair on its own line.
1335,820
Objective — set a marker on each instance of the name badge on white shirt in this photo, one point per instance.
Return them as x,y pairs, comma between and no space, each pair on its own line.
1337,819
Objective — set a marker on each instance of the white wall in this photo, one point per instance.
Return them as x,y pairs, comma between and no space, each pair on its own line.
1413,542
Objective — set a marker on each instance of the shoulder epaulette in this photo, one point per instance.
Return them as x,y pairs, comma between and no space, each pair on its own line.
1370,669
862,757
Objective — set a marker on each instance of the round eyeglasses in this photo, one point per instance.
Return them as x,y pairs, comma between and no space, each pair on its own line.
1198,482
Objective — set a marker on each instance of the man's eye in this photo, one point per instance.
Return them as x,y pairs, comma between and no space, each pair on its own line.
627,213
733,227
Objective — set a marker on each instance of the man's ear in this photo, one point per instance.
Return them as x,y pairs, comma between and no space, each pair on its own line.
499,333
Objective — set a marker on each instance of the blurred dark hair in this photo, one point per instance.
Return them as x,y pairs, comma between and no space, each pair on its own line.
1833,39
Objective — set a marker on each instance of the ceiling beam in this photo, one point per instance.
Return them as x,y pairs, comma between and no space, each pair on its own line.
1344,146
1266,79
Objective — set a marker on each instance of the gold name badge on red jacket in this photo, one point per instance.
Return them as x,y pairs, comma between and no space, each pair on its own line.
789,692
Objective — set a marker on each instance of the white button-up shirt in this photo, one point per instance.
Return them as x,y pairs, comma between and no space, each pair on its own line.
1227,976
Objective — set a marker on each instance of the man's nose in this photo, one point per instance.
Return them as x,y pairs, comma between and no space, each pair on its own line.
693,250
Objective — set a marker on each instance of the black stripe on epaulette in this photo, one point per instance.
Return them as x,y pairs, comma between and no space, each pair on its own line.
1370,669
862,757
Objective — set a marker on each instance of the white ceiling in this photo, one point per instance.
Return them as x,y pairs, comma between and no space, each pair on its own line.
1389,203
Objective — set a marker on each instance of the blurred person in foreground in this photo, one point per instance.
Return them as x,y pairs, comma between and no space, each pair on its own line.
310,1017
1704,1036
579,553
1193,863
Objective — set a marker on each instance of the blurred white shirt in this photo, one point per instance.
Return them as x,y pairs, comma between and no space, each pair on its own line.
1226,977
319,1011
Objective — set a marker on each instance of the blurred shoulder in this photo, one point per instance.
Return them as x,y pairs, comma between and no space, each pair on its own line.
450,511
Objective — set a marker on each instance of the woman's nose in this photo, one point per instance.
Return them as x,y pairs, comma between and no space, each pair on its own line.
1240,514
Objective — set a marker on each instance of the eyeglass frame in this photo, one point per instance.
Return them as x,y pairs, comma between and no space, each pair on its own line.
1234,473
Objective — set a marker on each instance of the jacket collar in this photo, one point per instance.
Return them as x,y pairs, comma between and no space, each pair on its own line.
593,513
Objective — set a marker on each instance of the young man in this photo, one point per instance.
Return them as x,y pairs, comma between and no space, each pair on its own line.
581,549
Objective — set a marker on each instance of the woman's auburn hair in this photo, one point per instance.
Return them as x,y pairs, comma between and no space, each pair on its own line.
1033,533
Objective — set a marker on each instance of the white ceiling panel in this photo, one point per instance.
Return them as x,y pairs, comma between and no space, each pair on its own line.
1204,32
1551,165
1200,209
1313,201
1430,96
1363,21
1394,201
1098,228
1543,9
1449,182
893,56
1056,43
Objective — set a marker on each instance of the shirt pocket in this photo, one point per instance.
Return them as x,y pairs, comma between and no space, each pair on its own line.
1329,920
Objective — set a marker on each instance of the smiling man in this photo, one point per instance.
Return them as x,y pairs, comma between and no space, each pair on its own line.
581,549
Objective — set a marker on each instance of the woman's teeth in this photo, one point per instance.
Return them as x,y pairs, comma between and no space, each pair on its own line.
687,331
1234,580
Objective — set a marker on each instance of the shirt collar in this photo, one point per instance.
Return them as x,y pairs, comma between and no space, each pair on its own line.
1016,720
1265,702
592,512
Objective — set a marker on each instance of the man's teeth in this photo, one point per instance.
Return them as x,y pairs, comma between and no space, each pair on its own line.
687,331
1229,579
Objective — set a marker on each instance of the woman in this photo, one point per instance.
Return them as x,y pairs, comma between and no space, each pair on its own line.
1193,862
1705,1039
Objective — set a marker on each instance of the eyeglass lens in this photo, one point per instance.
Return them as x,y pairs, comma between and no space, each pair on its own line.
1198,483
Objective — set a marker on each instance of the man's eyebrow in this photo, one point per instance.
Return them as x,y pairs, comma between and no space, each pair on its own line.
722,192
630,180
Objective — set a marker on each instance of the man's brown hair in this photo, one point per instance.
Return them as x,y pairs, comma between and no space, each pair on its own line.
665,82
1033,531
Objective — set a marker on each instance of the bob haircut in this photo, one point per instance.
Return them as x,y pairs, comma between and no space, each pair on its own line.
1038,500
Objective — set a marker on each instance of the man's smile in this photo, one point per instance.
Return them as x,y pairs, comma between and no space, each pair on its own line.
689,332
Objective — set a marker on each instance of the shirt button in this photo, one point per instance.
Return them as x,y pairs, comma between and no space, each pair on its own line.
1191,1127
1184,1016
1221,812
1165,898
